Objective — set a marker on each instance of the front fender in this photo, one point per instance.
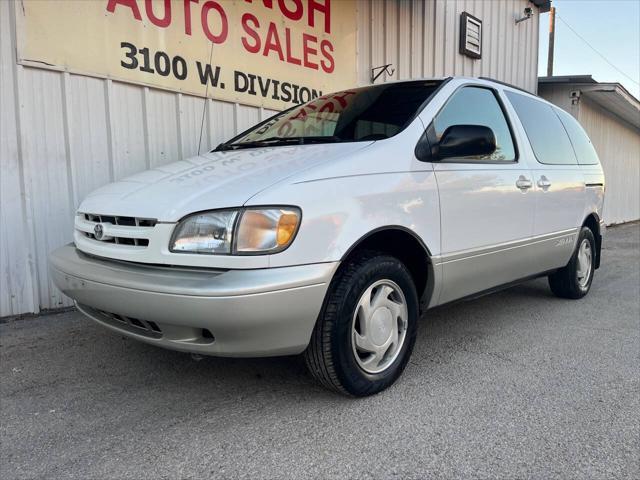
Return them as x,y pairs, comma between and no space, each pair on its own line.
338,212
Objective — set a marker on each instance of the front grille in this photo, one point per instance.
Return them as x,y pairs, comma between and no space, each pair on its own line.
124,221
140,242
88,221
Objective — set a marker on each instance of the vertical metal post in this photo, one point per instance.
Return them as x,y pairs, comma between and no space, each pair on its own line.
552,35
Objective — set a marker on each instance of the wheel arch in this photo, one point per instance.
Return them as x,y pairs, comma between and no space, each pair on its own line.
408,247
592,222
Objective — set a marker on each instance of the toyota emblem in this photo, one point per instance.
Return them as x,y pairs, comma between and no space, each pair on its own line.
98,231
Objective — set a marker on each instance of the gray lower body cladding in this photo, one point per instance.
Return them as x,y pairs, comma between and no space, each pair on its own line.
242,313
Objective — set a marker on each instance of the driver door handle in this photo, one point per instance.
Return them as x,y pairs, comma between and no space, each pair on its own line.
523,183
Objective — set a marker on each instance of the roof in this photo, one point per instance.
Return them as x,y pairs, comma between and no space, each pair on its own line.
543,5
611,96
567,79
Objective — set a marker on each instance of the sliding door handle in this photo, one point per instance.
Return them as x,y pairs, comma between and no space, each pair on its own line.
544,183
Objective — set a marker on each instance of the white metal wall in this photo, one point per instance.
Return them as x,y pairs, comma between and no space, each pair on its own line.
420,39
63,135
618,146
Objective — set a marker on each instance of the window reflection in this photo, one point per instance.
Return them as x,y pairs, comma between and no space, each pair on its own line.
477,106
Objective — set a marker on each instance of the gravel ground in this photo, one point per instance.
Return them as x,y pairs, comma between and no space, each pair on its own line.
517,384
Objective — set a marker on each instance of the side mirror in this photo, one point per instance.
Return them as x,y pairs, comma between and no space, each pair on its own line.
466,141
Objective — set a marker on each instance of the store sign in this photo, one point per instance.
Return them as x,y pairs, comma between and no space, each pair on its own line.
271,53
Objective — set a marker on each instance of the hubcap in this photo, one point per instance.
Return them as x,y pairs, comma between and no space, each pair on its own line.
379,326
583,272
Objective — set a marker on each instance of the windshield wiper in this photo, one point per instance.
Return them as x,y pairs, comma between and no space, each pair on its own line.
275,141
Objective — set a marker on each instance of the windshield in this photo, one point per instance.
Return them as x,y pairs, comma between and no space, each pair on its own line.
360,114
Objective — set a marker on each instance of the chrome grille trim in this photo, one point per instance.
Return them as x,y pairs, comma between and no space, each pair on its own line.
118,220
136,242
119,230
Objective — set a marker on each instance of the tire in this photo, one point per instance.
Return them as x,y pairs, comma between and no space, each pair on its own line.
333,357
574,280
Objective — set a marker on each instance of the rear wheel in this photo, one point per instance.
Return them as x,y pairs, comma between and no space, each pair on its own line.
574,280
366,330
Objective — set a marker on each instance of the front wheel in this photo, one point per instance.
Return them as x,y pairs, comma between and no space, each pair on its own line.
366,330
574,280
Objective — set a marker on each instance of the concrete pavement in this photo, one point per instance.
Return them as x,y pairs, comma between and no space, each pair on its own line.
518,384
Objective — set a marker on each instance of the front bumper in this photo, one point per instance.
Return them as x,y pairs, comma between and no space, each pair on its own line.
243,313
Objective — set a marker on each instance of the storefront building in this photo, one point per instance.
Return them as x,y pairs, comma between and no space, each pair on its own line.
91,92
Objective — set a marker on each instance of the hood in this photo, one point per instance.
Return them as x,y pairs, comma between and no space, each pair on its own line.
210,181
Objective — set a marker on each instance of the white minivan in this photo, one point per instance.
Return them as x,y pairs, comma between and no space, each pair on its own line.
329,228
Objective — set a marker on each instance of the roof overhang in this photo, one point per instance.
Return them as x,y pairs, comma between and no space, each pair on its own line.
543,5
612,97
616,100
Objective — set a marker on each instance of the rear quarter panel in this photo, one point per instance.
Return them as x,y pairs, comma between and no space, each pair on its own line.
595,191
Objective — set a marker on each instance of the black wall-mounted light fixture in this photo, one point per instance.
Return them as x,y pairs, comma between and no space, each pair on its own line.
528,13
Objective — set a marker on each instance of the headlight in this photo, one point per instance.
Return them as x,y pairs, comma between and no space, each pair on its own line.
257,231
209,232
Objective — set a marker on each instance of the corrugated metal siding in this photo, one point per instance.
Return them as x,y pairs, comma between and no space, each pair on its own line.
420,39
63,135
558,95
17,271
618,146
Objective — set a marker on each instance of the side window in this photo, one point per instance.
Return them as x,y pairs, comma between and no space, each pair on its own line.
544,129
477,106
581,144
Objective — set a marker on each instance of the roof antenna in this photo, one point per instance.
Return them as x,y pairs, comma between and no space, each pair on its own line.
204,106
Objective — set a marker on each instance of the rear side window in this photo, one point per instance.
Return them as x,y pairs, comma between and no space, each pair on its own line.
544,129
477,106
581,144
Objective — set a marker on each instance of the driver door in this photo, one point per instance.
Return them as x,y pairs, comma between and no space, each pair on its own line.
487,203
